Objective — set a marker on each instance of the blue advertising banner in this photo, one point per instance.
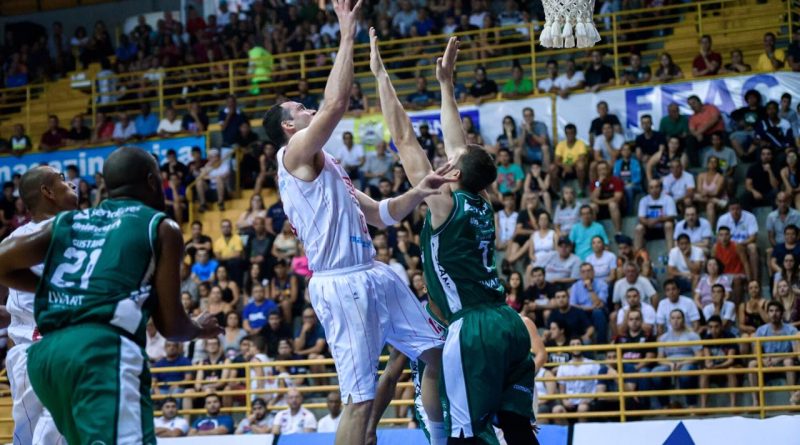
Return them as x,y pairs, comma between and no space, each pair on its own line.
434,121
90,160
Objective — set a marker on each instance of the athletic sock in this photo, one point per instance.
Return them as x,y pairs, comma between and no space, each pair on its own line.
437,432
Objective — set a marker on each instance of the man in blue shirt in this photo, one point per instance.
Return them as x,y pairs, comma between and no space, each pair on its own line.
256,312
168,380
204,267
421,98
213,423
146,123
591,295
581,234
230,119
776,328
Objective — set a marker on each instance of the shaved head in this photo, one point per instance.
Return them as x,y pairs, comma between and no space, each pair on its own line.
132,172
45,192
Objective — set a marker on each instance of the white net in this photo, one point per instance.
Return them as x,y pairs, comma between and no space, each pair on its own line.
567,23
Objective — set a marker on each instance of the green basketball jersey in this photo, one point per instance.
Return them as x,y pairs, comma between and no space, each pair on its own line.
99,269
458,257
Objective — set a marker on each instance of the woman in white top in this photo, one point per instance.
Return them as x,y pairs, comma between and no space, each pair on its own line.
542,240
714,275
603,261
721,306
567,212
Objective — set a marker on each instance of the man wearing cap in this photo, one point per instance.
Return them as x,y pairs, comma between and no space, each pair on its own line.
562,267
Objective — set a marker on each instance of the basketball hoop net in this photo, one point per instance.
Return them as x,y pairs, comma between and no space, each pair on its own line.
568,22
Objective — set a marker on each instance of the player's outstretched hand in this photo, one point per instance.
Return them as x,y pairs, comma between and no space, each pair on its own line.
208,326
431,184
348,17
375,60
446,64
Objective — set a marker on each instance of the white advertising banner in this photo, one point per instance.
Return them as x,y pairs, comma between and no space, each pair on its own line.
246,439
728,431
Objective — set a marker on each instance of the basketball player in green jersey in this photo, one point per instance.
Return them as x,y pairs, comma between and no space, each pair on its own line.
459,267
107,270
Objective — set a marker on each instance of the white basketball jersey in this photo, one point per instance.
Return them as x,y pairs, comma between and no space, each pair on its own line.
20,304
326,216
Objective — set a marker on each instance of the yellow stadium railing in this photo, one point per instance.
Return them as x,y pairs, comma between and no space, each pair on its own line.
736,24
247,388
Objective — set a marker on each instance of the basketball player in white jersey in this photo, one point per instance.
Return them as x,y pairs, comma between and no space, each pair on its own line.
45,193
361,304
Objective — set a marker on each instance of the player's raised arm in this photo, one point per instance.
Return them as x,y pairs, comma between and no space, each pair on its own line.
18,255
307,143
170,318
415,161
455,140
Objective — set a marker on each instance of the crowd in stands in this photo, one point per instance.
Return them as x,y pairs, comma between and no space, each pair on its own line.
608,240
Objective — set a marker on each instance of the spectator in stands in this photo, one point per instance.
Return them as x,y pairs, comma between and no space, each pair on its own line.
674,124
175,197
603,118
204,266
708,62
705,121
19,141
170,125
259,245
597,74
744,231
54,137
634,330
197,241
124,130
284,288
549,83
675,301
629,170
535,140
579,366
733,258
195,120
576,321
571,159
752,313
230,119
647,314
170,424
571,80
351,156
650,141
581,234
168,382
678,332
714,274
509,140
719,356
377,165
146,123
155,342
720,307
636,73
737,64
330,423
607,195
173,165
727,159
538,296
257,311
590,294
427,140
295,419
793,54
775,132
422,97
667,69
78,132
258,421
685,264
483,89
657,214
679,184
517,86
228,248
309,339
711,187
555,336
780,218
790,177
745,120
786,112
603,261
771,59
510,176
697,228
776,327
284,247
631,277
607,146
213,423
211,183
789,246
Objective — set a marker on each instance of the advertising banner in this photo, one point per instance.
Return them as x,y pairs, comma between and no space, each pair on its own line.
90,160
